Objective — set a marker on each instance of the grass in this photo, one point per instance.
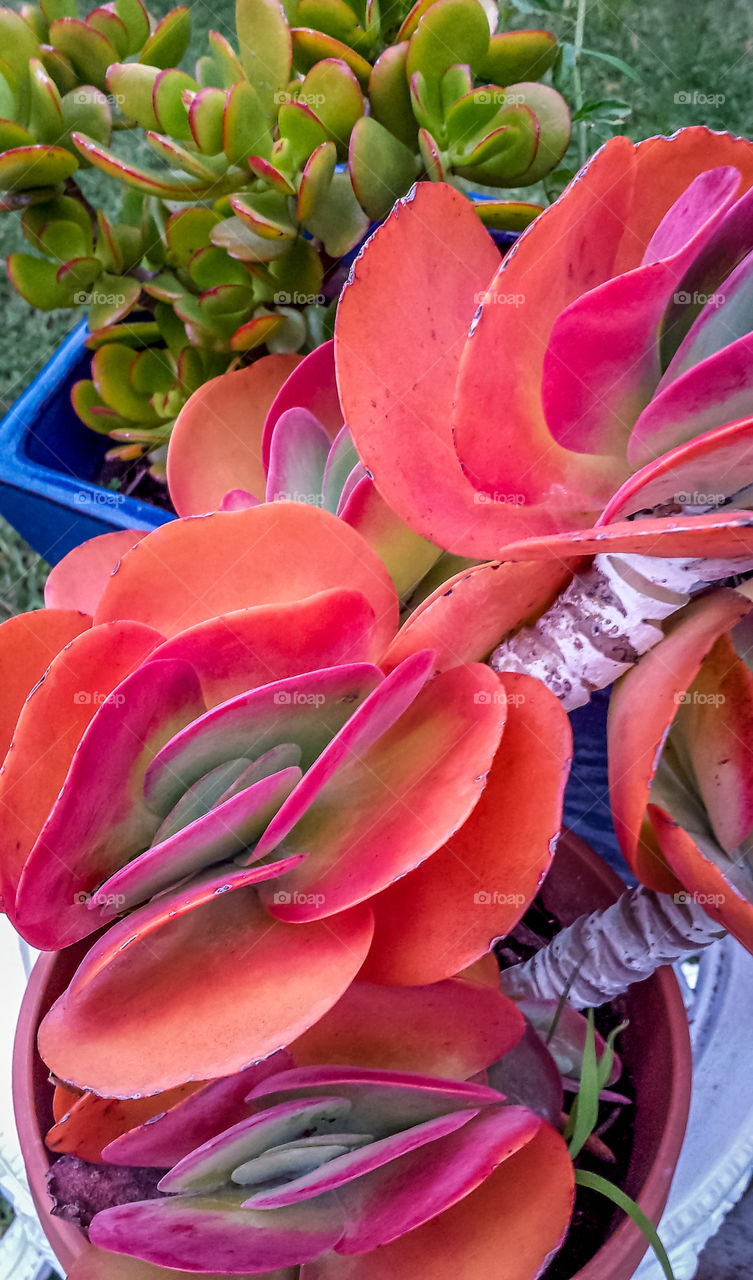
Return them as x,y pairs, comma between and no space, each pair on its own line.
694,67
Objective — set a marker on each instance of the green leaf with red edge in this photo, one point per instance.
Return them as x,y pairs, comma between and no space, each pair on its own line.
493,871
18,41
316,180
518,55
301,131
36,218
37,281
45,113
255,332
389,94
339,221
658,680
87,110
311,47
138,333
133,88
64,240
14,135
553,116
265,170
450,32
59,67
408,1029
205,115
227,64
237,239
430,154
245,128
107,22
333,18
111,374
265,48
92,409
508,148
169,187
79,275
381,167
168,970
507,215
187,231
27,167
136,21
180,158
167,99
333,91
90,52
226,299
209,267
266,214
169,40
113,300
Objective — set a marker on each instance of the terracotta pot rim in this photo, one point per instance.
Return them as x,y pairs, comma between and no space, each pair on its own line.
617,1259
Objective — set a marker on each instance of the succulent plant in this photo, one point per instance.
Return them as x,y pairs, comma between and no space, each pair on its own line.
272,793
272,162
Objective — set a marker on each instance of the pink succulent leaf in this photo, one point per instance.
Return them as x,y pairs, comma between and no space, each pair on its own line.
368,723
407,555
308,710
421,1184
386,810
97,824
310,386
205,1234
341,462
78,580
528,1076
211,1166
356,476
590,407
298,454
334,1174
198,971
382,1102
707,471
167,1138
725,317
223,833
238,500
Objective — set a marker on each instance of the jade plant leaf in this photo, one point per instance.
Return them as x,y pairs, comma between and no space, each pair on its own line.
266,51
311,47
205,116
87,110
332,91
518,55
45,111
245,129
316,179
37,281
381,167
339,221
132,87
169,40
24,168
90,52
107,22
169,106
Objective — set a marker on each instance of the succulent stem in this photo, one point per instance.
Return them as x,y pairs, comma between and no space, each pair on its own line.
612,948
604,620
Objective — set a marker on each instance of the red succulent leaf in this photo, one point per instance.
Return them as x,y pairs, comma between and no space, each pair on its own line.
725,534
28,644
93,1122
311,386
78,580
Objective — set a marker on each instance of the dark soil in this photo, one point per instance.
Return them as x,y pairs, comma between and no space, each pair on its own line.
133,479
595,1217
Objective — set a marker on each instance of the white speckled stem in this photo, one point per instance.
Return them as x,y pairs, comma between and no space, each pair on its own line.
609,950
604,620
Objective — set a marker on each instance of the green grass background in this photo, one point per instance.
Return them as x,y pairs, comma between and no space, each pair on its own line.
686,53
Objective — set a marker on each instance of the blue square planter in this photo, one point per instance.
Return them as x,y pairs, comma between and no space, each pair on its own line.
49,460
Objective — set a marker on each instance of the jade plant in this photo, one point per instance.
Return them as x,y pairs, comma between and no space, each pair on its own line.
272,160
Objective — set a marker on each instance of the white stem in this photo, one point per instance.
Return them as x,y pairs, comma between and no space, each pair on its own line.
605,619
602,954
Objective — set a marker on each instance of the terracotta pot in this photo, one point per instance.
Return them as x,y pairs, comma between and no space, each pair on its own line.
655,1048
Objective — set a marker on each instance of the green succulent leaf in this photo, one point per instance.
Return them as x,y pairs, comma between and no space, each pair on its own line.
553,116
456,82
179,158
506,150
132,85
427,108
290,335
88,50
63,240
79,275
17,41
112,299
211,266
170,186
138,333
409,24
107,22
187,231
169,40
507,215
242,243
134,17
273,177
227,64
226,299
8,103
518,55
171,327
36,281
34,18
92,409
431,156
310,47
205,116
255,332
87,110
316,179
24,168
266,50
169,106
63,209
338,221
266,214
53,9
245,128
301,131
334,95
59,67
152,372
45,111
14,135
450,32
381,167
296,279
333,17
111,374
